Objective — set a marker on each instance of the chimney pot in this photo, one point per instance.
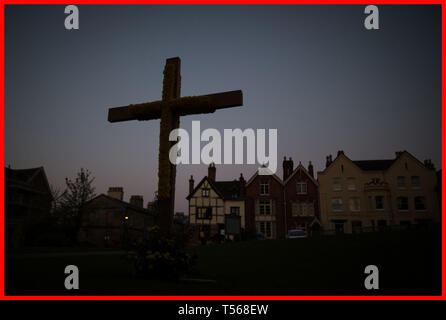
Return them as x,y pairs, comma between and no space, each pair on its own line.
191,184
116,192
311,169
212,172
137,201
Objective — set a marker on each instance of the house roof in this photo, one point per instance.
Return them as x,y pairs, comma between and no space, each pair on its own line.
225,189
257,173
21,175
300,167
228,188
374,165
122,203
24,178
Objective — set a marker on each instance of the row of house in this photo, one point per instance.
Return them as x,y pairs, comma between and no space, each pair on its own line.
107,220
347,196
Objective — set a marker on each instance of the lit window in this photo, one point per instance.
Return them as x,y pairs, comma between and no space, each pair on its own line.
301,188
336,204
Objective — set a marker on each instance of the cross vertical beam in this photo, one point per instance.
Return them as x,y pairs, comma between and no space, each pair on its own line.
169,120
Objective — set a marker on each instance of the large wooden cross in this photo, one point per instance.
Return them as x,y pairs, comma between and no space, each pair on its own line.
169,110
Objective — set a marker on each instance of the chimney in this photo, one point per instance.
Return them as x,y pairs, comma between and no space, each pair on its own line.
116,192
242,185
329,161
310,169
398,153
288,166
428,164
339,152
191,184
137,201
212,172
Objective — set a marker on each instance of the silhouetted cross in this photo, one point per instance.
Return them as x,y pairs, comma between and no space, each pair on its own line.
169,110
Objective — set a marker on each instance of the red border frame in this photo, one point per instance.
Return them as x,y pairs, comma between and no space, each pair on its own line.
116,297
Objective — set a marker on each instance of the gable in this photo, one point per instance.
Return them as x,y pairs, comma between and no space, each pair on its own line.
406,162
205,183
341,165
40,182
300,171
256,175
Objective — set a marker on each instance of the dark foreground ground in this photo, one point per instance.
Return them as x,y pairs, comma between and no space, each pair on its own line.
409,263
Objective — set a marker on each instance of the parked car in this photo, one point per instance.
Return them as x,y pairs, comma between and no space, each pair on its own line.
296,234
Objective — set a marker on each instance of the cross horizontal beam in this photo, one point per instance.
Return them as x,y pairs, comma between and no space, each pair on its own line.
181,106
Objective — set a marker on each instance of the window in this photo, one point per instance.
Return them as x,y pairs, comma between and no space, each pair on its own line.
302,188
235,211
355,204
305,209
265,228
415,182
351,184
379,203
337,184
356,226
205,192
402,203
401,182
204,213
339,227
265,207
420,203
264,187
336,204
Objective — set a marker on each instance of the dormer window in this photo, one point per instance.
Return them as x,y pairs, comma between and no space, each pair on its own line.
301,188
205,192
264,187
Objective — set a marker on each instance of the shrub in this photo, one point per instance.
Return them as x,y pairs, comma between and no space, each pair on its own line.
160,256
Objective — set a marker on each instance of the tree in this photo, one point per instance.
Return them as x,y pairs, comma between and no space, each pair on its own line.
73,200
56,204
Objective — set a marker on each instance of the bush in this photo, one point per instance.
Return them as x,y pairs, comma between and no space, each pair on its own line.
161,256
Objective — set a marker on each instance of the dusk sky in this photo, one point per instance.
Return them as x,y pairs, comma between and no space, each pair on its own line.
314,73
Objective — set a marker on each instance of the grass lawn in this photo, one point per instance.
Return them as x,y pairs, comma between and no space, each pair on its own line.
409,262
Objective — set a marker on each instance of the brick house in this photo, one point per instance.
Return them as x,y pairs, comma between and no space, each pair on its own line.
265,206
301,197
110,221
274,206
27,197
